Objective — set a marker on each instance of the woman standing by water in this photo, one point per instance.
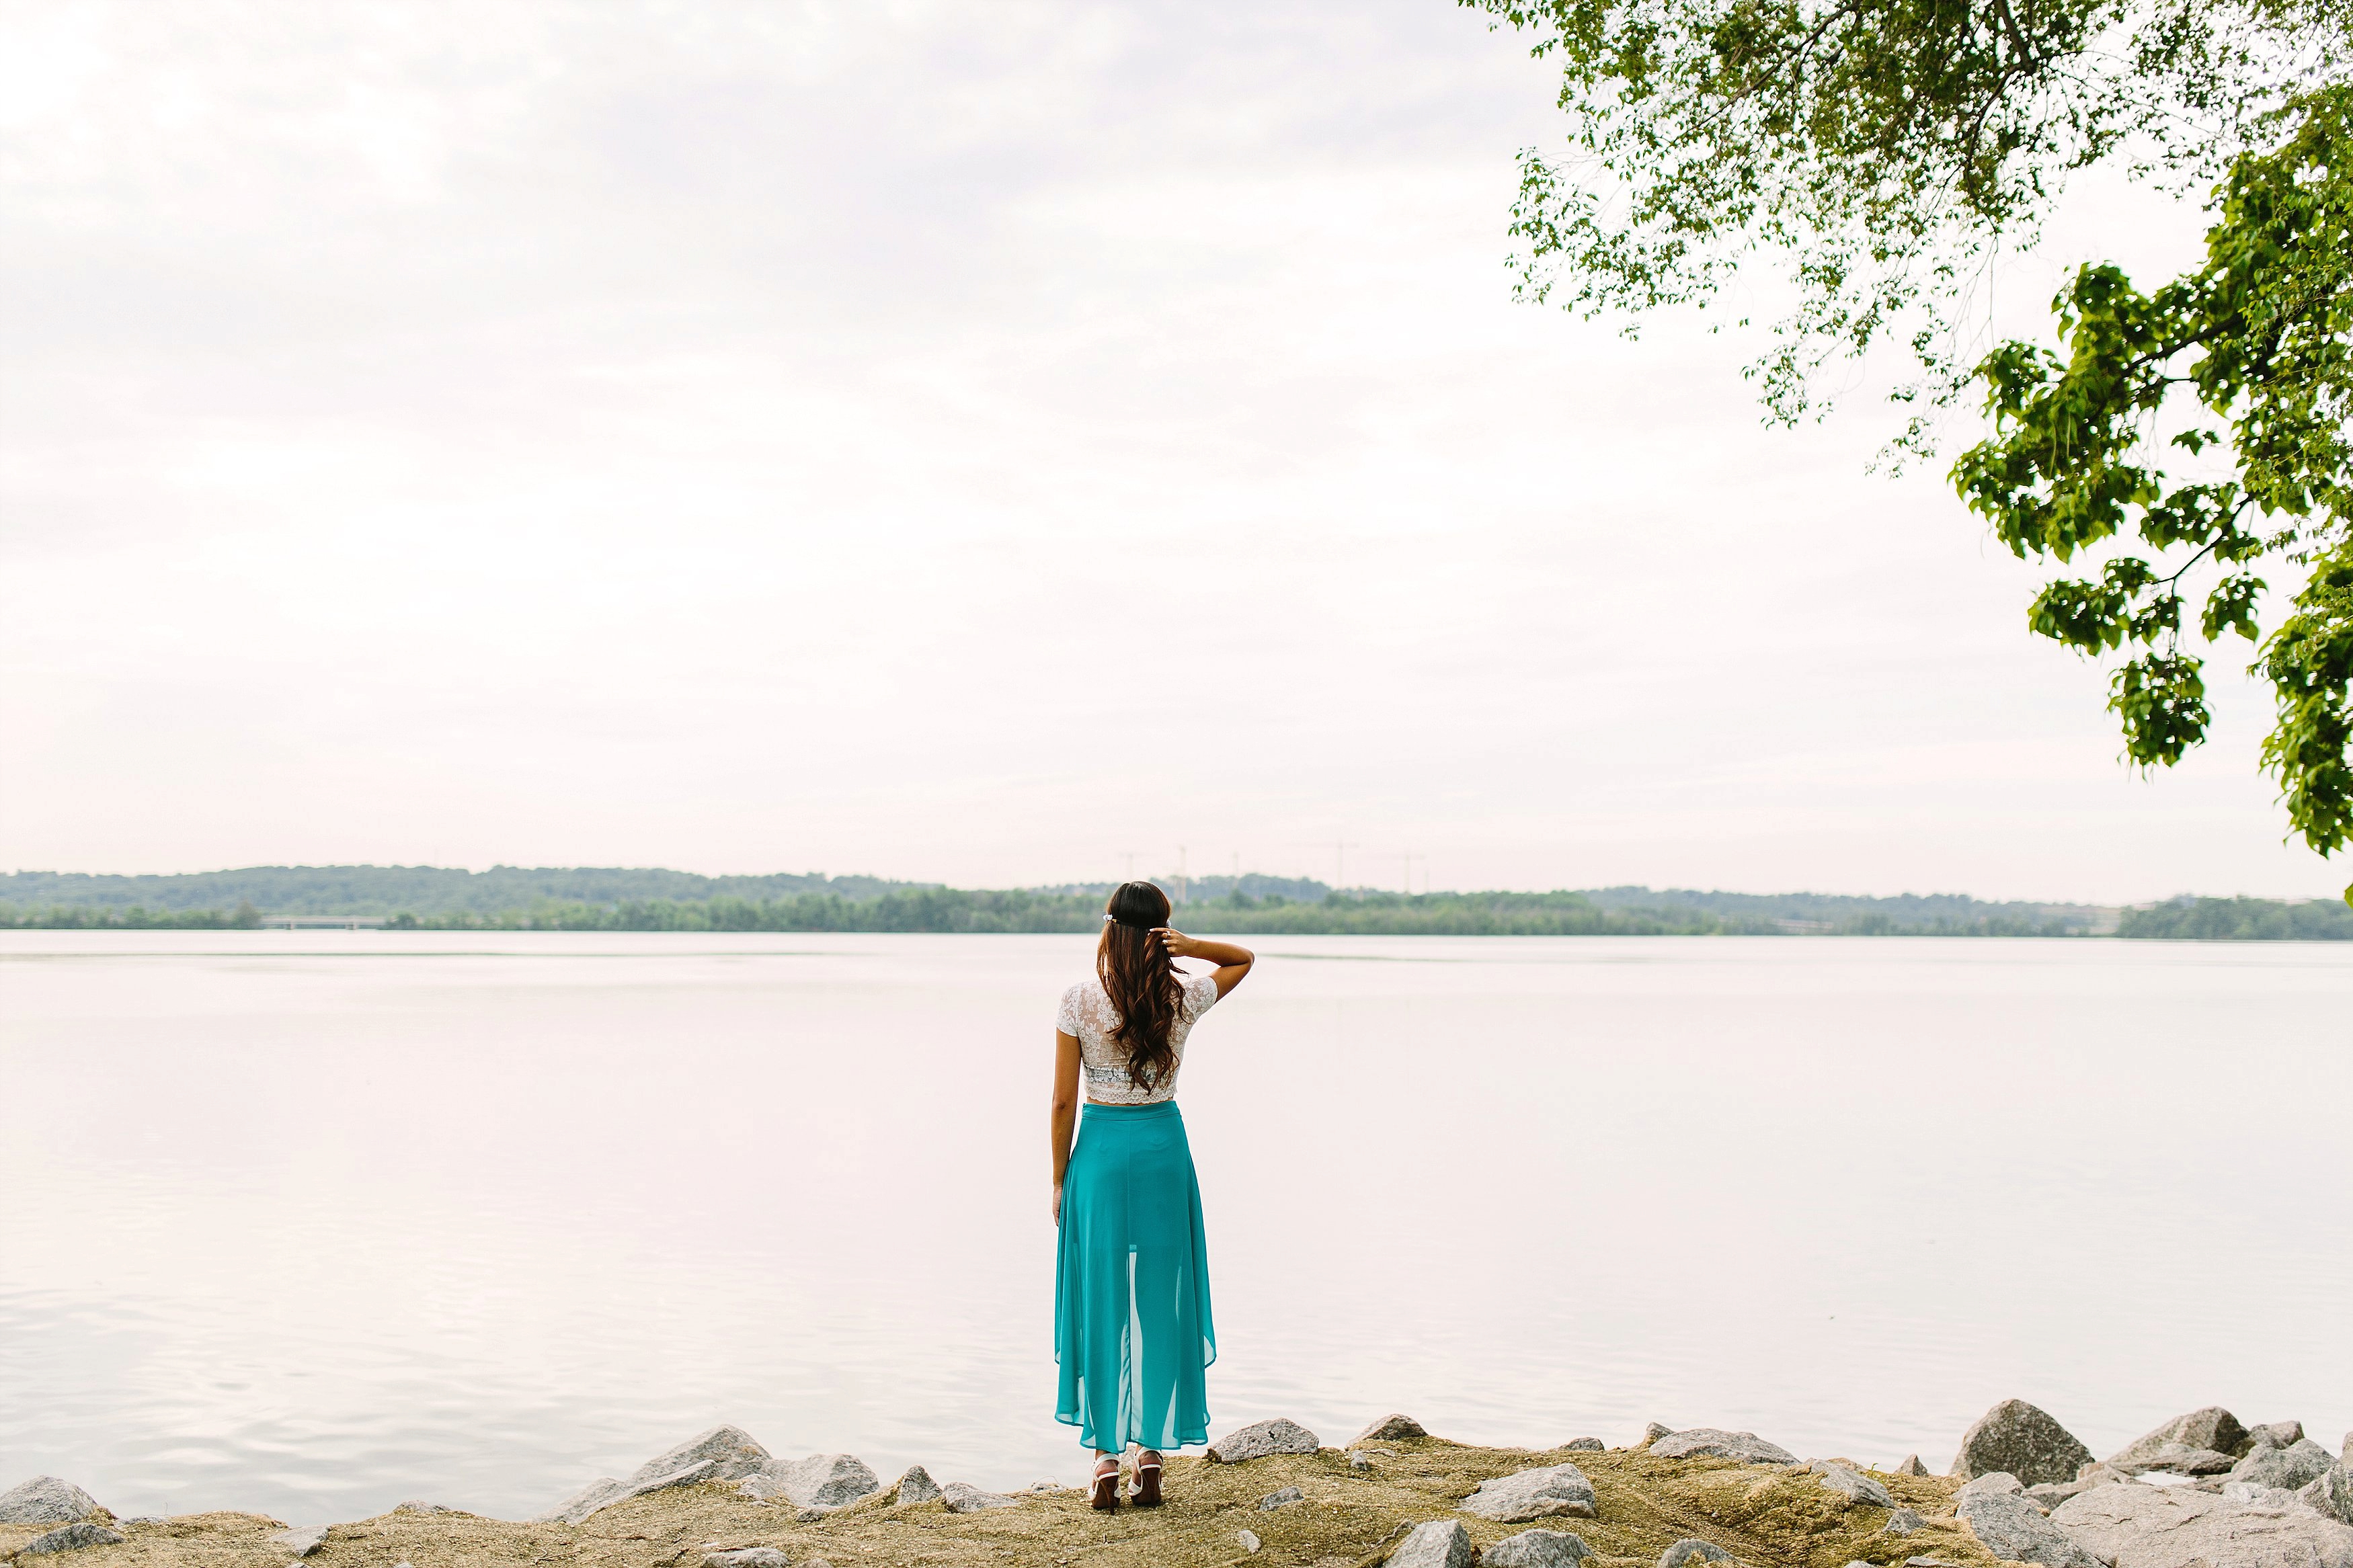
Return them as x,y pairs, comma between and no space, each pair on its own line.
1132,1324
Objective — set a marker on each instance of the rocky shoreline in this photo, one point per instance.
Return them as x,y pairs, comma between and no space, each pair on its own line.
2201,1491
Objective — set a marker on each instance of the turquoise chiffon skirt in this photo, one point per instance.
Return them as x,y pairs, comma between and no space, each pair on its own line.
1132,1325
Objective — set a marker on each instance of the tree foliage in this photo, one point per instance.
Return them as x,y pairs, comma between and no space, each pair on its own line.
2259,341
1881,151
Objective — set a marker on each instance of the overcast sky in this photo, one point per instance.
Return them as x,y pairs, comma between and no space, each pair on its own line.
964,442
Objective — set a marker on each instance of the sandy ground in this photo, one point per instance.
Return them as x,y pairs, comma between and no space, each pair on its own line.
1761,1514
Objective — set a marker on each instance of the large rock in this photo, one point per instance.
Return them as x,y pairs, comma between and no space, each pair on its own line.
605,1492
1261,1438
2278,1434
2297,1466
1903,1521
1712,1442
2176,1527
747,1557
917,1485
2178,1457
2014,1529
1988,1484
729,1450
821,1480
963,1498
1911,1466
1851,1484
46,1500
1547,1492
2212,1427
1388,1429
2015,1437
1584,1446
1536,1548
1691,1549
70,1537
2332,1494
1281,1497
1654,1430
303,1540
1440,1543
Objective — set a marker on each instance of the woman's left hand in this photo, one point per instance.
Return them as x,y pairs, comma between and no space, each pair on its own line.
1178,944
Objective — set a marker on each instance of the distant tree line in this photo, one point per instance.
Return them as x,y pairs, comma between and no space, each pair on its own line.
2241,919
60,917
1252,904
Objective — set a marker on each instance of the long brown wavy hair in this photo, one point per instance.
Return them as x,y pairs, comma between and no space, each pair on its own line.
1141,980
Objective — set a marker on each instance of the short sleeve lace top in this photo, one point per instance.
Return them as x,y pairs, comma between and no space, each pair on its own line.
1087,1013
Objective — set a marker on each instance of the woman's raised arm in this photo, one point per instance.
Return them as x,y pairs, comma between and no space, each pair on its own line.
1233,963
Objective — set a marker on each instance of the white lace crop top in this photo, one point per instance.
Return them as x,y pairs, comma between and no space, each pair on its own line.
1087,1013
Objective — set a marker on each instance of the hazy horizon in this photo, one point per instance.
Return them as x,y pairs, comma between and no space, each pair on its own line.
1168,879
971,445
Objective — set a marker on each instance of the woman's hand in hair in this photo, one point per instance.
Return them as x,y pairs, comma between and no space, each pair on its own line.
1178,944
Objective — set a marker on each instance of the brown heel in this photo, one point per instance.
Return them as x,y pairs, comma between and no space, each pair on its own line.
1106,1493
1147,1483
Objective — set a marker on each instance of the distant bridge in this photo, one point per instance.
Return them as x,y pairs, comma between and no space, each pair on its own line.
322,923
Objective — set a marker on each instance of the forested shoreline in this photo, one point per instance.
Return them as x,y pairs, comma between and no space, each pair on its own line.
515,899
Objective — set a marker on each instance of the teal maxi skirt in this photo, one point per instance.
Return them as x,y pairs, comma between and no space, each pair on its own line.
1132,1325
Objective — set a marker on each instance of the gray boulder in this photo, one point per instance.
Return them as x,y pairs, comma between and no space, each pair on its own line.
2212,1427
1440,1543
729,1450
821,1480
1851,1484
2260,1495
747,1557
1536,1548
2015,1437
416,1505
1710,1442
2278,1434
1360,1460
1903,1521
1988,1485
1658,1429
2014,1529
961,1498
2179,1459
1911,1466
71,1537
917,1485
1387,1429
46,1500
1584,1446
2331,1494
2297,1466
1543,1493
1262,1438
1691,1549
303,1540
605,1492
2176,1527
1283,1497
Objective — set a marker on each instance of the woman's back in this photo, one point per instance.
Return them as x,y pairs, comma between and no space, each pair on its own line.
1087,1014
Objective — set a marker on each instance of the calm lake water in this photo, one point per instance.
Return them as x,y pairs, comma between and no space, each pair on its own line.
312,1223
